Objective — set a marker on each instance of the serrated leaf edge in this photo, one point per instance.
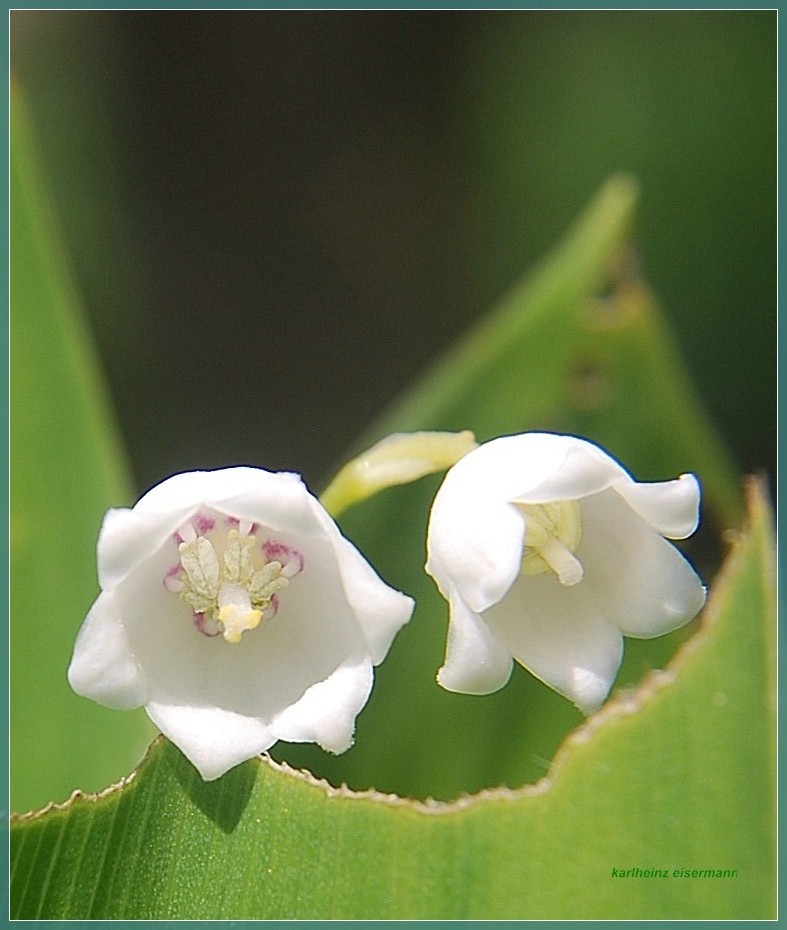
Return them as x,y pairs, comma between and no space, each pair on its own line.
623,703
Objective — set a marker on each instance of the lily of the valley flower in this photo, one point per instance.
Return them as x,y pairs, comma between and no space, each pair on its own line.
547,551
234,610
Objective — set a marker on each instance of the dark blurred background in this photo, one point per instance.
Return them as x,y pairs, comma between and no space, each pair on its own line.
276,219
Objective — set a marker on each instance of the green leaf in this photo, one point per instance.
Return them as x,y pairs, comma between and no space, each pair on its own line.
676,774
66,469
579,347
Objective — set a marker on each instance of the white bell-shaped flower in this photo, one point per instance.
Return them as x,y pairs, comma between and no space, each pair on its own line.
234,610
548,552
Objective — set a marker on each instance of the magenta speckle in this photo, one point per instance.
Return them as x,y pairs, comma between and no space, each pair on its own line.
281,552
205,626
203,524
272,609
171,579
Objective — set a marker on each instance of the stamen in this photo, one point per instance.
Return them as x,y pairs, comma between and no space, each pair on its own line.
267,582
552,534
238,566
231,595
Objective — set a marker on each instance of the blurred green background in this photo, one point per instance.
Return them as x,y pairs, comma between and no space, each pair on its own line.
276,219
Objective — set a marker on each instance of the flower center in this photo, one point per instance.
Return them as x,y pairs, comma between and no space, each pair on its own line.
231,595
552,534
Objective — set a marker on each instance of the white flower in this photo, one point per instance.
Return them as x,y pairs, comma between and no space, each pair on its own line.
233,609
547,551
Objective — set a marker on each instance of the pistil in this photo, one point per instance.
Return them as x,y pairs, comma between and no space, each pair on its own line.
552,534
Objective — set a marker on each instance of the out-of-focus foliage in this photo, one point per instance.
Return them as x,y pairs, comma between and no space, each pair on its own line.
325,200
66,469
686,101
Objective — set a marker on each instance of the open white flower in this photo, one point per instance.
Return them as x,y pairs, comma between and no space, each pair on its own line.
234,610
547,551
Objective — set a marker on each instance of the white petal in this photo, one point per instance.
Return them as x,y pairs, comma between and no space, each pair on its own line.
313,632
558,634
671,507
103,666
584,469
475,538
213,739
322,616
326,713
128,537
475,661
639,581
192,488
380,610
509,465
536,467
474,546
278,499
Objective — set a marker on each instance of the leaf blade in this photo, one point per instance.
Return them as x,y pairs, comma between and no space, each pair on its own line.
305,850
67,467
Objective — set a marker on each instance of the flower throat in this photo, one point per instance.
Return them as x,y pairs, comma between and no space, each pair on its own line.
232,596
552,534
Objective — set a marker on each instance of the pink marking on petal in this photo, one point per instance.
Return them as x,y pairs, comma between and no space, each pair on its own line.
205,626
272,609
291,560
203,524
171,580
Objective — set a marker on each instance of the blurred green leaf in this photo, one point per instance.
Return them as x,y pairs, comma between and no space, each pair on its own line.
677,774
579,347
66,469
